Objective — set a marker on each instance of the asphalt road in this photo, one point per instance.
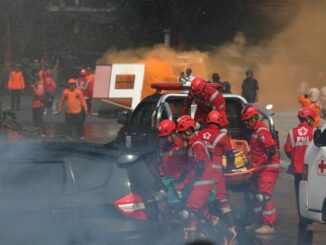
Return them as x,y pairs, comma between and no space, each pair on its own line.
104,130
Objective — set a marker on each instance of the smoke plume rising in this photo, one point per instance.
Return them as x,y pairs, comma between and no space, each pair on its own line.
291,56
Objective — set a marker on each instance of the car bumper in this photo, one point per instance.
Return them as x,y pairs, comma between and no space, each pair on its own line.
305,211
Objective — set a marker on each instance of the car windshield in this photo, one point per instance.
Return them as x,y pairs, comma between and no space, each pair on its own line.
143,114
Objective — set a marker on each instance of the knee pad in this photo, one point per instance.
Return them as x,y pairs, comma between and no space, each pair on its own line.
184,214
262,199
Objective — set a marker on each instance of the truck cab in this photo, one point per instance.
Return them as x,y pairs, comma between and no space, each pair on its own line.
139,130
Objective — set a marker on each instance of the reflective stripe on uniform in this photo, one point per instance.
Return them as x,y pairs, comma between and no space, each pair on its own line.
258,210
273,165
82,87
291,138
271,212
196,143
215,142
213,96
262,128
216,166
204,182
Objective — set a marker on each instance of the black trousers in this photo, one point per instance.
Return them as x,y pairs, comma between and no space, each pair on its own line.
38,118
75,121
302,221
15,99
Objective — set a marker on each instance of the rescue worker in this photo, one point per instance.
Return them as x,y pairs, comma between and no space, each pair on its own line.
172,150
86,86
219,143
200,175
266,162
311,99
200,178
250,87
207,99
50,86
38,105
16,84
75,103
295,147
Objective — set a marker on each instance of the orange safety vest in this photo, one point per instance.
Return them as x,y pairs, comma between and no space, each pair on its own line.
73,100
16,80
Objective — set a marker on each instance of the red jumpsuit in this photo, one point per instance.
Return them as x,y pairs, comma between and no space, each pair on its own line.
266,173
296,144
217,143
174,160
295,147
200,176
212,100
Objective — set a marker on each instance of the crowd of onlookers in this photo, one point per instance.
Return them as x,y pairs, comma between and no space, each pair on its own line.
39,79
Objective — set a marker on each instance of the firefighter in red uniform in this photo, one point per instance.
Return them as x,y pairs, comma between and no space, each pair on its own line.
200,173
218,143
266,161
207,99
172,150
295,147
86,86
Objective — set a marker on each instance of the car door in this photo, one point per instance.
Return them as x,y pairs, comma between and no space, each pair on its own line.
316,158
35,206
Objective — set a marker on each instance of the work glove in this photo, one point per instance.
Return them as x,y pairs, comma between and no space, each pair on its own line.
270,153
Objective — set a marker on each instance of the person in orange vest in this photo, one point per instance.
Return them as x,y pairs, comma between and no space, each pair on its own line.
72,98
38,105
311,99
16,84
295,147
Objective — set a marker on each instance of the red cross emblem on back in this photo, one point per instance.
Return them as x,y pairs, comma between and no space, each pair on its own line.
206,136
303,131
321,167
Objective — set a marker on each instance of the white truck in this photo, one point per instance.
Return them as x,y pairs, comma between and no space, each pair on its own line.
312,193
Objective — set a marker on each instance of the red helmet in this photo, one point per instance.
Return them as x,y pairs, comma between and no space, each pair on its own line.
214,117
71,81
306,111
197,85
83,72
185,122
248,112
166,127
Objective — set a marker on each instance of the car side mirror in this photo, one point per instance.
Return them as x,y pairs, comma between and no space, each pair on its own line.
318,138
123,117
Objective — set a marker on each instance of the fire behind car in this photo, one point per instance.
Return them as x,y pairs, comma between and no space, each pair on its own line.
77,193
